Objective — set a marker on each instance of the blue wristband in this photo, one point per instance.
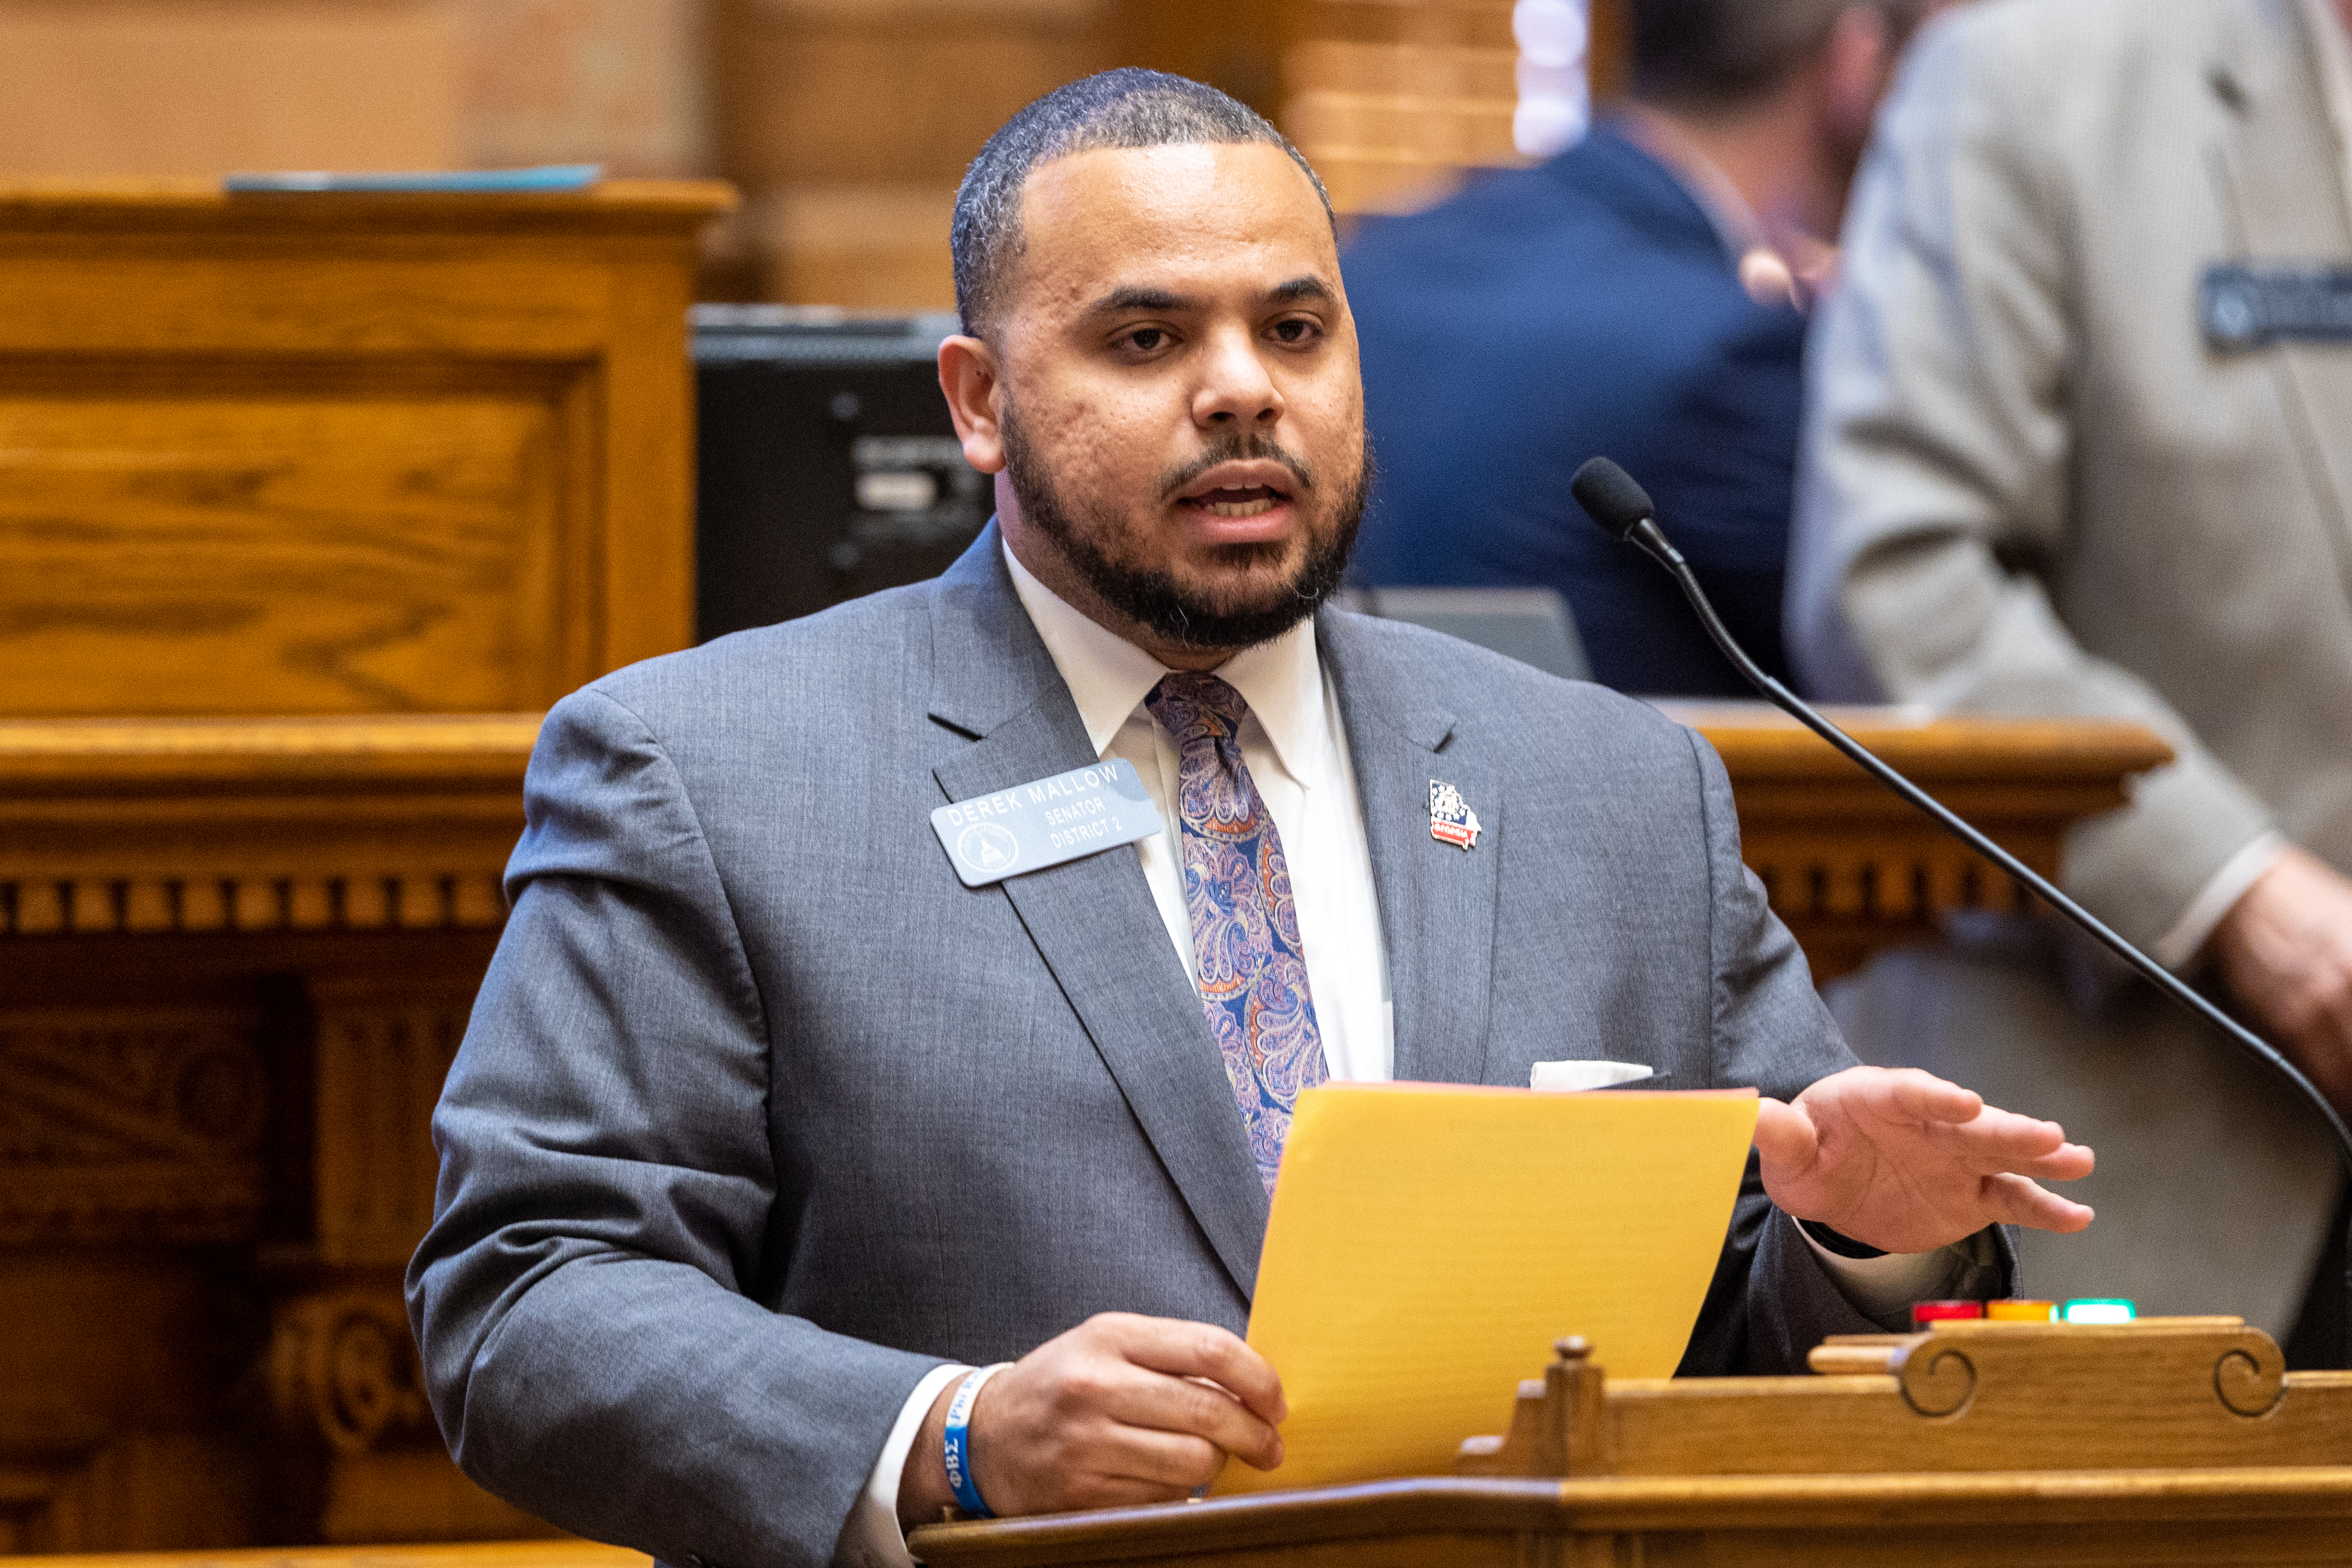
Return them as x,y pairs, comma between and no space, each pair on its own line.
958,1442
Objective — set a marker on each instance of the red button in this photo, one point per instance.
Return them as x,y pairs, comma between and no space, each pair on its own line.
1926,1312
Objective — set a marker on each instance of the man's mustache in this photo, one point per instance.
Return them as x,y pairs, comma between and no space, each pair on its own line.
1239,449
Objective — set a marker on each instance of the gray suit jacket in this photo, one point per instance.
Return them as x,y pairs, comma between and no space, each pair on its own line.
2030,486
762,1113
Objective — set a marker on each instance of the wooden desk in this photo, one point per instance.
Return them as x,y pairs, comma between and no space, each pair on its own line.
309,505
2175,1441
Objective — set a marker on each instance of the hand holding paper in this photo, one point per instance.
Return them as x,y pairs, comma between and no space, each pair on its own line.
1901,1160
1120,1410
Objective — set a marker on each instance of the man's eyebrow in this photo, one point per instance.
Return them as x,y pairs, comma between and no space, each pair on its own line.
1120,301
1298,289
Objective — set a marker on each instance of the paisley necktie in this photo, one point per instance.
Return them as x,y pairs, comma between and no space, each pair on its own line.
1244,925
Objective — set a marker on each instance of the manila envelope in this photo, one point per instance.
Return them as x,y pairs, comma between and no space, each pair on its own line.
1428,1243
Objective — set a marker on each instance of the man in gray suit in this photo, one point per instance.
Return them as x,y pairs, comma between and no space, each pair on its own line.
771,1135
2082,442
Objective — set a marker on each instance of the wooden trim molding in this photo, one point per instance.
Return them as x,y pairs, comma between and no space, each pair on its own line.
390,822
404,822
485,1554
1851,868
667,209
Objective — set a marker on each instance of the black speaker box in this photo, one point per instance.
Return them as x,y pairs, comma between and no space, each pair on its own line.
826,467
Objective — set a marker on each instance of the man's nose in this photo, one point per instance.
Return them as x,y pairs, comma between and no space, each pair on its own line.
1235,387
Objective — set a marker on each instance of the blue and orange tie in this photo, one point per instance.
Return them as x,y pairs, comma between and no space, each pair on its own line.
1244,925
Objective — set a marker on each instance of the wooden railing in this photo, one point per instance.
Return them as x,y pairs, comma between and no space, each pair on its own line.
1851,868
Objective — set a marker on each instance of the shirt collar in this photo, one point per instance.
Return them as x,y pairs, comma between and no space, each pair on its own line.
1109,677
2334,50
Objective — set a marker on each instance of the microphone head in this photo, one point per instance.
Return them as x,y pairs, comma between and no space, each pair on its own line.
1610,498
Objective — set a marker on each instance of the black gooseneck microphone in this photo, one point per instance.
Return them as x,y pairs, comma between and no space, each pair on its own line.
1624,510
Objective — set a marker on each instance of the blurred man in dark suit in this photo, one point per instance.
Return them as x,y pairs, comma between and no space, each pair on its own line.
1640,295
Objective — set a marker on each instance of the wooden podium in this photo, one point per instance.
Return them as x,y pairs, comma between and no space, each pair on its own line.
2171,1441
2167,1441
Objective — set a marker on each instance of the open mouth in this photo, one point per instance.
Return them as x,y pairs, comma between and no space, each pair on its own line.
1253,501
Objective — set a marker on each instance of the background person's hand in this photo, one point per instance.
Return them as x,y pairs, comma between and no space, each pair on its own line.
1121,1409
1897,1158
2285,952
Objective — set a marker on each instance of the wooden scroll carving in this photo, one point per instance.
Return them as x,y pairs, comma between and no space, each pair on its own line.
344,1371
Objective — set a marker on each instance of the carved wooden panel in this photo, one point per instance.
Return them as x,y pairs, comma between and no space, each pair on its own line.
205,1211
341,1367
139,1124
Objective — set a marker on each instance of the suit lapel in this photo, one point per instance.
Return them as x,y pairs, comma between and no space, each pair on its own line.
2278,139
1092,920
1437,902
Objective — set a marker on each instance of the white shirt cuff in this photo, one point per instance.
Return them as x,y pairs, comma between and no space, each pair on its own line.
1884,1287
2228,885
871,1537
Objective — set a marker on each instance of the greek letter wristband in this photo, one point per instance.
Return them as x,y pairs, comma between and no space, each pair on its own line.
959,1441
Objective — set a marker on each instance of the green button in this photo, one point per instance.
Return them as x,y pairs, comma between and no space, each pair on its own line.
2098,1309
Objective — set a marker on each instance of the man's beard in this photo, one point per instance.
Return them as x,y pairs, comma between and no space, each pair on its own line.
1153,598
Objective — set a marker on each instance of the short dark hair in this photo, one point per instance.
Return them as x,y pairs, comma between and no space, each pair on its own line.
1124,108
1715,55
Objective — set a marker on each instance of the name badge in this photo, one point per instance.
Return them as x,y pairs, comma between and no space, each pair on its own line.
2244,308
1031,826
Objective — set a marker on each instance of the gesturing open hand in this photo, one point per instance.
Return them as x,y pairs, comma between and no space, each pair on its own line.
1899,1159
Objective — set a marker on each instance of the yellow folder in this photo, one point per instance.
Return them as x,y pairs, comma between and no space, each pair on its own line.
1429,1242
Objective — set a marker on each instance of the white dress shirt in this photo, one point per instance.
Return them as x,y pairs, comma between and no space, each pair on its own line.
1295,745
1295,749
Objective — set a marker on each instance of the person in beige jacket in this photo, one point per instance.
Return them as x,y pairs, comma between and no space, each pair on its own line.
2080,442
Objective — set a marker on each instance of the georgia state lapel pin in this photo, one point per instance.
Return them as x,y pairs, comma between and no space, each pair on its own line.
1450,820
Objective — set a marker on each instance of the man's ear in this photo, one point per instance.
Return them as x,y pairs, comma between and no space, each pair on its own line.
968,374
1858,63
